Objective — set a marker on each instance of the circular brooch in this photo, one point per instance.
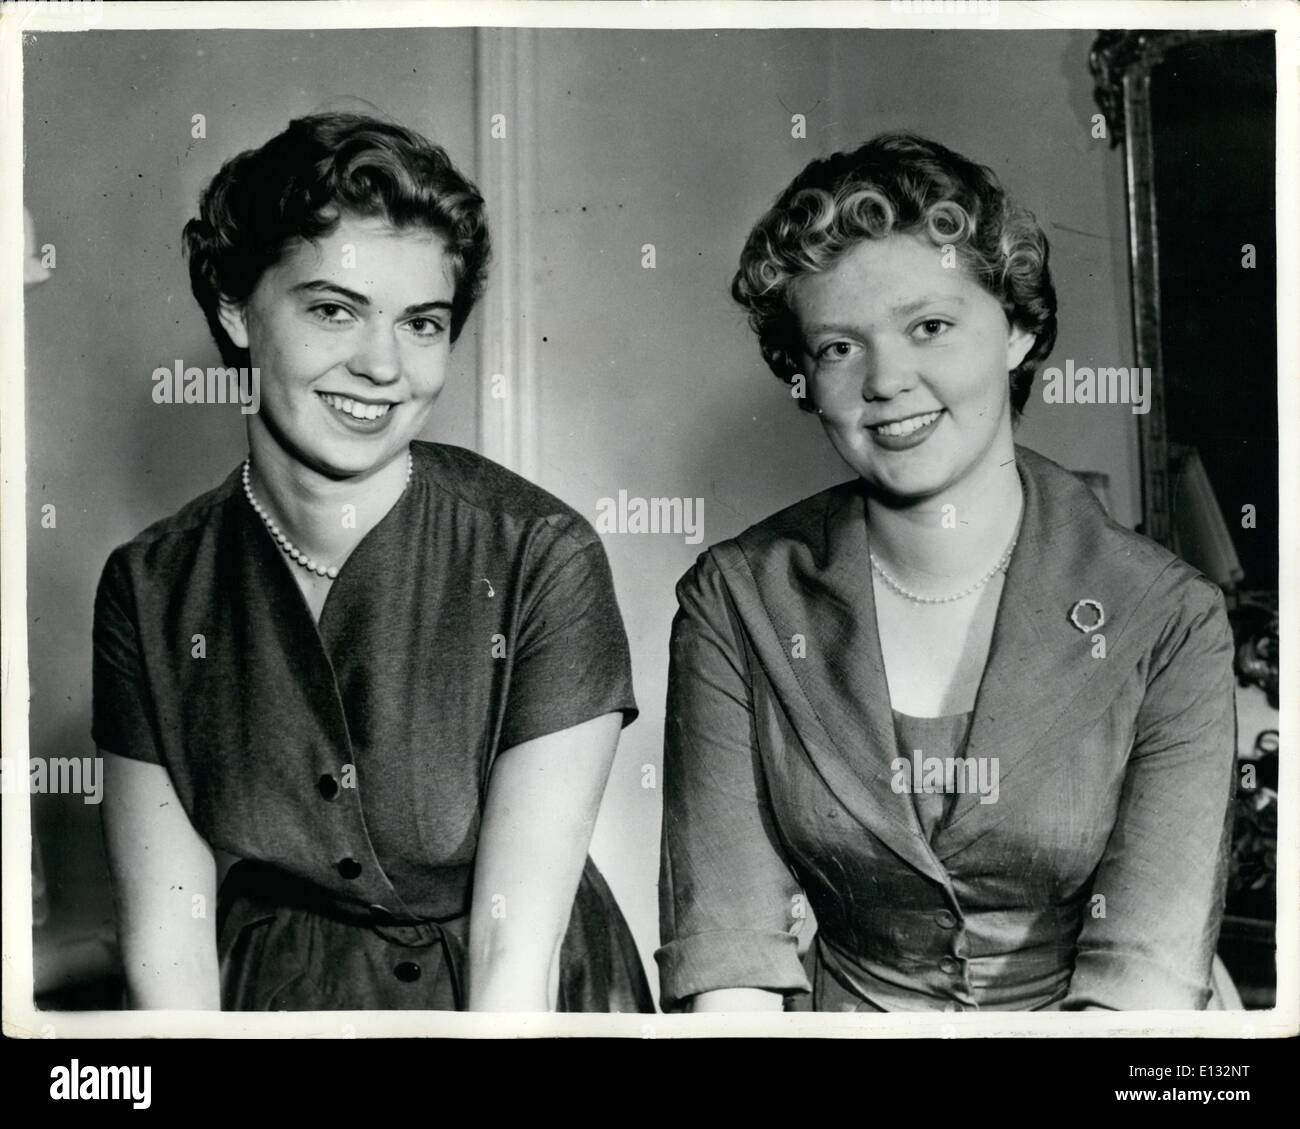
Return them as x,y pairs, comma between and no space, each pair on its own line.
1080,611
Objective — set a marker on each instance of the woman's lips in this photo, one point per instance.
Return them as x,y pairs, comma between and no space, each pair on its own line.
359,415
902,434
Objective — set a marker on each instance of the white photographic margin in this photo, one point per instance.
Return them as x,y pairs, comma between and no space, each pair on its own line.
503,58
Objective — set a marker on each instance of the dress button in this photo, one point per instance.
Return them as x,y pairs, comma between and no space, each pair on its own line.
948,965
945,919
327,786
349,867
407,971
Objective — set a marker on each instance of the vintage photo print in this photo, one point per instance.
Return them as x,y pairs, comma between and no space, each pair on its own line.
652,520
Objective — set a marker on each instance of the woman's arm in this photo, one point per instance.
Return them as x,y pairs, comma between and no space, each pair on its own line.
541,808
164,882
726,889
1157,897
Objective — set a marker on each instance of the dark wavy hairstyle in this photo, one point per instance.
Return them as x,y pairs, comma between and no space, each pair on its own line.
897,183
303,181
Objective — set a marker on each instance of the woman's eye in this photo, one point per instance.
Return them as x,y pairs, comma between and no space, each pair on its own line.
425,327
332,313
835,351
931,327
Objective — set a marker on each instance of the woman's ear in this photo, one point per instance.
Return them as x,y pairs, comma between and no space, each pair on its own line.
232,321
1019,342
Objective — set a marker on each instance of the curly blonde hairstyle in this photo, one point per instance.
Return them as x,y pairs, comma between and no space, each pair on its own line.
897,183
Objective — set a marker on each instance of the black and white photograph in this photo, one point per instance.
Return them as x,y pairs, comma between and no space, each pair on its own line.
648,519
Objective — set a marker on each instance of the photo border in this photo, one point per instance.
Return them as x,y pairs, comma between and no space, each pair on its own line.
20,1017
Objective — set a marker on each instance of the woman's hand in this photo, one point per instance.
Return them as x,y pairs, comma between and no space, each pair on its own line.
164,881
738,999
541,809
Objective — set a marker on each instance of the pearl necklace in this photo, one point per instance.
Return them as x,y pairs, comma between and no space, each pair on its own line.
919,599
290,549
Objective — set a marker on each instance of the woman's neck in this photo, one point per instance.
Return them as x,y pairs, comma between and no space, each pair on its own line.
952,538
324,517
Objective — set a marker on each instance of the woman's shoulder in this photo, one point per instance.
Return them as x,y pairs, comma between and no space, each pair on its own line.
172,533
496,495
797,535
1079,548
1069,514
803,523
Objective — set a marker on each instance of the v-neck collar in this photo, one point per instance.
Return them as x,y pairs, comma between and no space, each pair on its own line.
375,555
275,634
380,540
1037,677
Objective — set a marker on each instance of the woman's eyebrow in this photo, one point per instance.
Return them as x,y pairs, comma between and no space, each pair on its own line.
928,300
827,327
325,286
426,307
903,308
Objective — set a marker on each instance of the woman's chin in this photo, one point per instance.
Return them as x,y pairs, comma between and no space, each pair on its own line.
914,482
902,495
343,462
922,475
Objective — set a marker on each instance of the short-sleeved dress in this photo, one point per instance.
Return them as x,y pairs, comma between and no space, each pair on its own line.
346,762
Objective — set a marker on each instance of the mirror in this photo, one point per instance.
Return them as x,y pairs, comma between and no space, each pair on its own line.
1195,113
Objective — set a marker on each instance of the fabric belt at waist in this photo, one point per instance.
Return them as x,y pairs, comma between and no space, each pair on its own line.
254,889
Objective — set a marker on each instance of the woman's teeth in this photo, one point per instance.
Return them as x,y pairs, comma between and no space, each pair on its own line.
907,426
354,409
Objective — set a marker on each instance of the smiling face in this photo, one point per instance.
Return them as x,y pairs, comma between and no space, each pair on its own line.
351,334
908,363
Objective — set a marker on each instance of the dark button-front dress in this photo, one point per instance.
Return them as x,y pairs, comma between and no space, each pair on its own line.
346,762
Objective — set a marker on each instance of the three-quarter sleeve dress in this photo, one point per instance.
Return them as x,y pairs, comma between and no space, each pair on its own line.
1093,878
346,762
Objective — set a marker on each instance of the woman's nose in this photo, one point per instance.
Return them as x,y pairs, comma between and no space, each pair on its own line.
376,357
889,371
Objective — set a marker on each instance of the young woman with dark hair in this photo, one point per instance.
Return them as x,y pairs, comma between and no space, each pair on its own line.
413,669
